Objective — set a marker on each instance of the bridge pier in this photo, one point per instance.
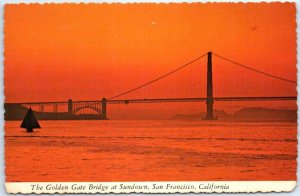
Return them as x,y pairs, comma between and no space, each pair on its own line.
104,108
70,107
41,108
55,108
209,90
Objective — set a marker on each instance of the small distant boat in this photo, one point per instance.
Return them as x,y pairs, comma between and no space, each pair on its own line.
30,122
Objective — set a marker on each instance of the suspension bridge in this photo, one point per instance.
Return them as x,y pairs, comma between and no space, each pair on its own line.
100,106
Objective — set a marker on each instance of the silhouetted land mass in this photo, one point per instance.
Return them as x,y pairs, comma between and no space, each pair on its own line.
219,113
17,112
251,114
259,113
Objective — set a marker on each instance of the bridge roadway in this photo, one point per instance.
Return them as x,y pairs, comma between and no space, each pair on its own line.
127,101
164,100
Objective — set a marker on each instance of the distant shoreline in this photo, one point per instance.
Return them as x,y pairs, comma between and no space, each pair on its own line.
246,114
17,112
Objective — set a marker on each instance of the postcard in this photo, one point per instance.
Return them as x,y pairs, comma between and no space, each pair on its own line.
150,97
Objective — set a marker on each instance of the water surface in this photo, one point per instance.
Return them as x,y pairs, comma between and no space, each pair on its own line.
151,151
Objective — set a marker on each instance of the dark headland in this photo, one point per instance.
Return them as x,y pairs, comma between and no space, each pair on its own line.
246,114
17,112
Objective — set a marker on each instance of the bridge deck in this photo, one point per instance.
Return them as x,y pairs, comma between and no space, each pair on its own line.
127,101
162,100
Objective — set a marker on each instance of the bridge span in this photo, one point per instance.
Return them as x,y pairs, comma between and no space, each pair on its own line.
200,99
100,106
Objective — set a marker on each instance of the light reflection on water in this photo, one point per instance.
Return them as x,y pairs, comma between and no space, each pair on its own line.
151,151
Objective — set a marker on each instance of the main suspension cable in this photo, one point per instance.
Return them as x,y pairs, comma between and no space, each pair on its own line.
255,70
156,79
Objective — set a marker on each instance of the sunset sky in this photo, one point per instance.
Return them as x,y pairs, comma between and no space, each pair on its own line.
54,52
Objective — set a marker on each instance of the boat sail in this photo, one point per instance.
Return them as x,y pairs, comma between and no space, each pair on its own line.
30,122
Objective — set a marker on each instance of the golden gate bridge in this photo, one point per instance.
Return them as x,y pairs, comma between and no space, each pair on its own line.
100,106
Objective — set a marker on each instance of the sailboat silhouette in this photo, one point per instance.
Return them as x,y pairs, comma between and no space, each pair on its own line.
30,122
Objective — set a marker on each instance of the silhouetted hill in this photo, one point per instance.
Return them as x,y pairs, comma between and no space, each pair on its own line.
14,111
257,114
264,113
220,114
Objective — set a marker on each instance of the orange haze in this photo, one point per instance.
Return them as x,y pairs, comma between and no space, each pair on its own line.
54,52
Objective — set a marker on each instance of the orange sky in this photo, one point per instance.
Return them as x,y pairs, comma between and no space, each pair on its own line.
55,52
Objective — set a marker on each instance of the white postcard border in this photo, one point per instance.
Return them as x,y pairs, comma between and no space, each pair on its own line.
150,187
254,186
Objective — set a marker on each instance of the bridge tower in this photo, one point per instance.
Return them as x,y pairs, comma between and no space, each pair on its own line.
70,106
209,90
104,108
